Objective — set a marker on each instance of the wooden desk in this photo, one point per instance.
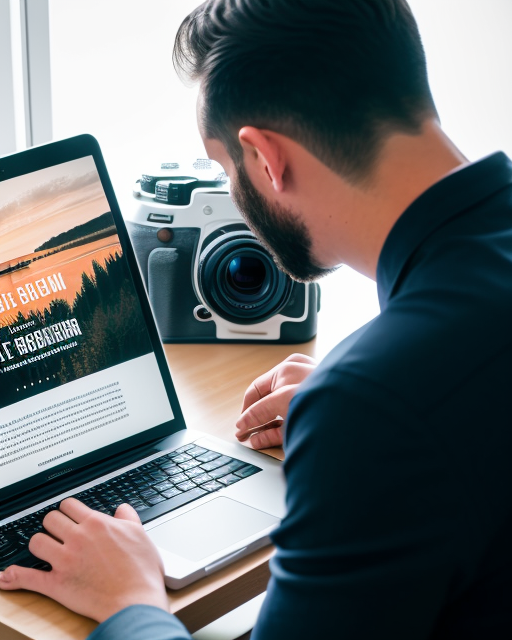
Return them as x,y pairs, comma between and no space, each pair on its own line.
210,382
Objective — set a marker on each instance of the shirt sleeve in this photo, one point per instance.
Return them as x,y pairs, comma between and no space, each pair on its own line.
366,549
141,622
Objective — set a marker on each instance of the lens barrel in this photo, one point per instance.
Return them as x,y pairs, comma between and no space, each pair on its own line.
239,280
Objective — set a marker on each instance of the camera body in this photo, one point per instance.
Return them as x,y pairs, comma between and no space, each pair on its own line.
208,277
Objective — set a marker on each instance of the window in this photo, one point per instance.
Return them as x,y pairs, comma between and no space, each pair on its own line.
112,76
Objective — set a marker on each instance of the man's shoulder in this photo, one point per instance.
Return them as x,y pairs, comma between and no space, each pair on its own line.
420,349
381,355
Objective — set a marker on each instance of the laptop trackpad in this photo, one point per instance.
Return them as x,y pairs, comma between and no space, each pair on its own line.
209,528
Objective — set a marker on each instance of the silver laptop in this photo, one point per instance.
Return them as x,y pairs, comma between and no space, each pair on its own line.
87,404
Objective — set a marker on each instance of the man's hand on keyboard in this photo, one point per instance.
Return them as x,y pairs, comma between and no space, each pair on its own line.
268,397
100,564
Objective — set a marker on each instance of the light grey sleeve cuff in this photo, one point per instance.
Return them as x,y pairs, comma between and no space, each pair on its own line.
141,622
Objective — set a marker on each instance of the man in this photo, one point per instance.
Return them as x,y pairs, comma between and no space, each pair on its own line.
398,446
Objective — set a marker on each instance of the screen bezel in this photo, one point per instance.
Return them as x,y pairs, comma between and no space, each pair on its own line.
49,155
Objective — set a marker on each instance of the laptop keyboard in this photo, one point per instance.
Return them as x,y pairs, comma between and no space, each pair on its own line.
154,488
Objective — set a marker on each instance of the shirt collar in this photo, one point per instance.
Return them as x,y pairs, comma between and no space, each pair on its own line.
447,198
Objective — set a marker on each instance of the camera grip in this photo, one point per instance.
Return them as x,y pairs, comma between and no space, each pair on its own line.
172,298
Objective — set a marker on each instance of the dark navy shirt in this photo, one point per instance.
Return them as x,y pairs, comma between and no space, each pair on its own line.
399,446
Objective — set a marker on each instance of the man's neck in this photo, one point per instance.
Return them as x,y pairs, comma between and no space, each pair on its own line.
407,166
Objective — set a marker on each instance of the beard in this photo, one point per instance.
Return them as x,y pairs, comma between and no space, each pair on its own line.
278,229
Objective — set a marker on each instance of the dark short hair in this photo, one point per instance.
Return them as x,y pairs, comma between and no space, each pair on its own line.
337,76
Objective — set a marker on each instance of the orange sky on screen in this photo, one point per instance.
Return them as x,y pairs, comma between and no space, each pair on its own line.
70,263
36,207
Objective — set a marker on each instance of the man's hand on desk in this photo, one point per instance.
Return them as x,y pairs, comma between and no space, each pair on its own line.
100,564
269,396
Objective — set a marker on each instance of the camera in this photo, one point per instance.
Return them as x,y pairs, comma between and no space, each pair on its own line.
208,277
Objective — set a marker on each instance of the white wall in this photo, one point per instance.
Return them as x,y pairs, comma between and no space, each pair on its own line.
469,54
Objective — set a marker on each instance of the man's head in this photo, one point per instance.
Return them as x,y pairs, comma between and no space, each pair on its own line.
336,76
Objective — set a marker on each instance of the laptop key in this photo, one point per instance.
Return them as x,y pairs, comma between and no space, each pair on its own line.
196,451
147,466
173,470
235,465
140,507
147,493
221,471
196,473
180,477
204,477
155,499
185,447
7,546
208,457
247,471
23,536
129,495
229,479
213,485
172,503
219,462
159,476
104,509
185,486
190,464
170,493
167,466
164,486
182,457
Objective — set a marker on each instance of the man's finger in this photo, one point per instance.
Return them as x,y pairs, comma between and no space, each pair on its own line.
44,547
260,388
75,509
300,357
265,409
126,512
58,524
294,370
267,439
15,577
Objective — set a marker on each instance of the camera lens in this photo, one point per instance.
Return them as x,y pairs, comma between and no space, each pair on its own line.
239,280
246,275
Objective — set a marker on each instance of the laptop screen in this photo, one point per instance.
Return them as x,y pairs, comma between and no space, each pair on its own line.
78,370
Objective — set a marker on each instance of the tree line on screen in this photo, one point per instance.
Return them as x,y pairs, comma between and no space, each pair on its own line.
101,223
96,229
113,331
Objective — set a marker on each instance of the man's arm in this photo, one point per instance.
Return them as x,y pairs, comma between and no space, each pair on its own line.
368,547
141,622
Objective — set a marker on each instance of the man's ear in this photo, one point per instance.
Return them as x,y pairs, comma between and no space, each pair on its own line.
264,157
